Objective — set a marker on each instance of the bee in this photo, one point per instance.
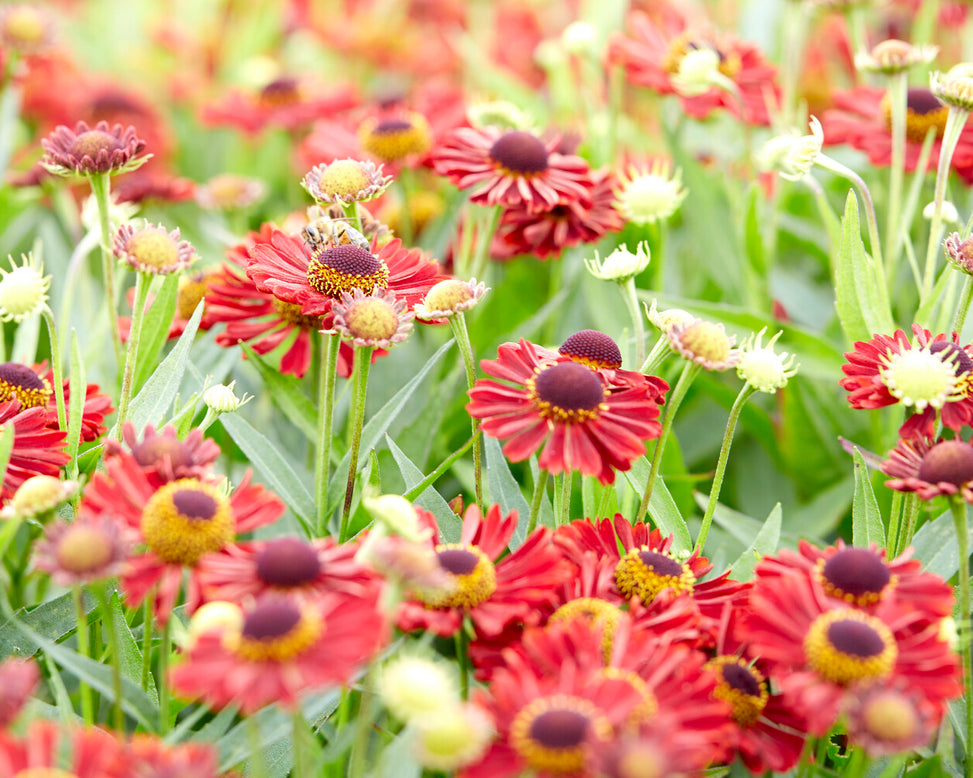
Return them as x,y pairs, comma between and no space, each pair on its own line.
335,232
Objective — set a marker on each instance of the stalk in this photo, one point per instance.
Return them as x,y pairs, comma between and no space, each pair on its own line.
116,669
457,323
100,187
363,360
142,281
958,506
540,486
328,366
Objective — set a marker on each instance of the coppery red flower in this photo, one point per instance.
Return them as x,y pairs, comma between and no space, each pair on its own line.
48,747
931,468
163,456
37,449
18,682
148,756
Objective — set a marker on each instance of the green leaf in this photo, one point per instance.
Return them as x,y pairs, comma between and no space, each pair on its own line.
78,388
278,472
765,543
159,391
397,759
51,620
450,525
130,653
662,508
286,393
866,517
155,329
935,545
504,489
858,297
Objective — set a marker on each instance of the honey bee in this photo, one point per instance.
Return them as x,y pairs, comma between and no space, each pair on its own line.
335,232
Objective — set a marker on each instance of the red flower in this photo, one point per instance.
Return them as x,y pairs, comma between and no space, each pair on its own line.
97,405
162,456
820,650
585,421
177,521
861,119
284,648
931,468
653,54
18,681
513,169
148,756
492,593
48,747
37,449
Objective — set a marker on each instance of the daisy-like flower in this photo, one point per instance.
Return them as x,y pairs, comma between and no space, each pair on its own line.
491,593
229,191
931,468
46,748
862,118
649,193
513,168
955,87
706,344
284,648
377,319
894,56
447,298
655,53
26,29
821,651
286,565
23,289
163,456
668,319
150,249
91,548
888,718
37,449
621,264
413,686
451,738
345,181
18,682
584,422
176,523
959,252
395,135
148,756
763,368
934,374
87,151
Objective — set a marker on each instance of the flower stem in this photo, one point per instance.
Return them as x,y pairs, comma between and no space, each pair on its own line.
363,726
672,405
462,641
564,514
116,668
363,360
955,121
142,281
714,495
958,506
457,323
657,355
62,417
299,733
483,239
540,486
322,460
257,765
964,306
100,187
898,89
635,311
863,191
895,516
162,682
84,648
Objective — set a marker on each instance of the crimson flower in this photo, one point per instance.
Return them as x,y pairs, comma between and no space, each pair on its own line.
47,747
931,468
37,449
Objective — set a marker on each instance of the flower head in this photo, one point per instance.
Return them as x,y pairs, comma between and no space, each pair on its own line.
452,737
931,468
793,155
697,71
955,87
38,497
501,114
221,398
91,548
37,449
959,252
26,28
764,369
621,264
706,344
669,318
23,289
449,297
345,181
394,137
894,56
87,151
646,195
413,687
150,249
18,681
376,319
229,191
887,718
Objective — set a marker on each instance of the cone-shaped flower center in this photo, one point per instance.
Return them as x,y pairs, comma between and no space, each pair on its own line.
952,354
742,686
923,112
472,572
276,629
391,139
372,319
567,392
890,716
592,348
291,313
857,575
288,562
19,382
84,548
280,92
848,645
553,733
153,451
708,341
186,519
644,573
90,143
346,267
949,461
520,153
344,178
154,248
920,378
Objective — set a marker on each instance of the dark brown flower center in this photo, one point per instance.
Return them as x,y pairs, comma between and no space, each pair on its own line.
559,729
855,638
520,152
20,382
346,267
457,561
155,450
954,354
194,504
660,563
856,574
281,92
89,143
923,113
568,391
288,562
949,461
271,618
740,678
592,348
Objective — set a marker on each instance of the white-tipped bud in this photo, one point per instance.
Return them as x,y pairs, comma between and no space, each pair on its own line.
792,155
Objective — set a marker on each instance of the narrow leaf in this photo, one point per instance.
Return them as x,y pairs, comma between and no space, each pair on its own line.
78,387
765,543
285,392
130,653
450,525
866,517
662,508
155,329
504,489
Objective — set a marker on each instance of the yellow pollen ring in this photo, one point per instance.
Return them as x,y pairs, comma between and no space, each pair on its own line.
917,125
470,589
279,648
564,759
332,283
181,539
28,397
633,578
556,413
866,598
746,708
291,313
843,668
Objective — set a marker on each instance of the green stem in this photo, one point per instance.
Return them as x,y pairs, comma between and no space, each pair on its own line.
363,360
540,486
564,514
462,641
895,516
955,121
84,648
62,416
100,187
635,312
363,726
299,733
483,239
958,506
911,517
162,682
672,405
142,282
714,495
116,658
855,19
865,194
430,479
659,353
328,365
457,323
964,306
898,92
793,34
257,764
